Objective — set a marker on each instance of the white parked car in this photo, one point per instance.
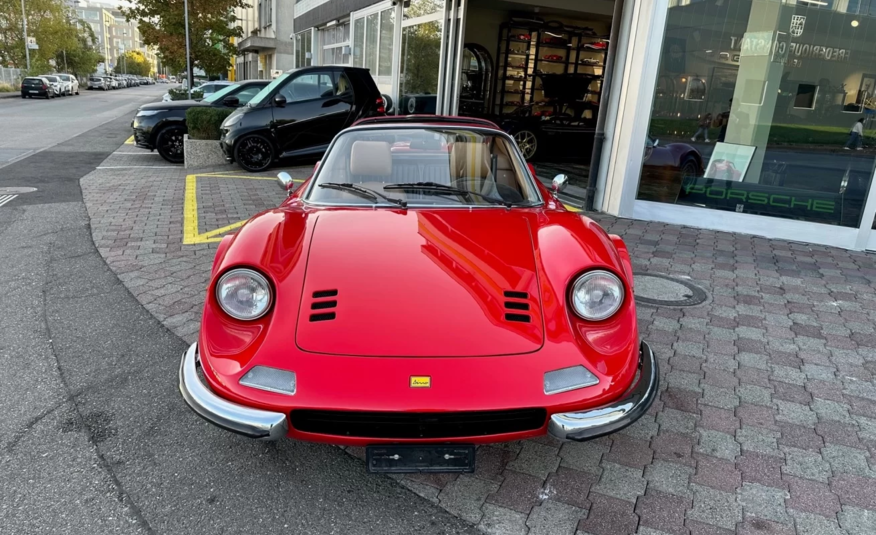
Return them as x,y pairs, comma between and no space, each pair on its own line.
71,83
58,87
207,89
98,82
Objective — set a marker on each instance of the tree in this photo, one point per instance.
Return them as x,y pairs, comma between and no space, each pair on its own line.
82,59
212,25
134,62
50,22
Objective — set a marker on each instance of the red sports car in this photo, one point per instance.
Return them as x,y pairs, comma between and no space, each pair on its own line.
420,294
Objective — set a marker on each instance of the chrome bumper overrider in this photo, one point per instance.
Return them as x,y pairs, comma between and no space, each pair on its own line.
253,423
594,423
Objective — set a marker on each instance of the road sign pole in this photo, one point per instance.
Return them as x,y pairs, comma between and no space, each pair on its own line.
189,74
24,24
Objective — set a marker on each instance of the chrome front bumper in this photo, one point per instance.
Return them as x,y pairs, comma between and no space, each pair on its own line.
253,423
594,423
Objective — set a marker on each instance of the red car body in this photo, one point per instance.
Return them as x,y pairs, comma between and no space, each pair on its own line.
400,281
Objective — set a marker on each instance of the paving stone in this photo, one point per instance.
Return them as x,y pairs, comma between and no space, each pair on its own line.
764,502
760,468
520,492
799,437
717,473
758,440
857,521
715,507
663,512
670,478
755,395
500,521
812,497
717,444
700,528
490,462
752,525
421,489
570,487
805,464
847,460
677,421
718,420
795,413
536,459
554,518
465,496
585,456
722,398
810,524
620,482
682,399
674,447
757,415
609,516
789,392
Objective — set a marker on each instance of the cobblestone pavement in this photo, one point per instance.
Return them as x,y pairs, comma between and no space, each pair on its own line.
766,422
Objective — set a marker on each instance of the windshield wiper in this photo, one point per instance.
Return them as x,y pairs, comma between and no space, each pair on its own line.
363,192
434,186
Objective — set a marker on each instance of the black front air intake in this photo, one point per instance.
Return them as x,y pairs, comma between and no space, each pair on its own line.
412,425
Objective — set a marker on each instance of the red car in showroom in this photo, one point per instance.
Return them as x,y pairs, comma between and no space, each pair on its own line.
420,294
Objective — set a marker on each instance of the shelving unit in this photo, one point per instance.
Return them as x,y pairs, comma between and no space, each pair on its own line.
549,50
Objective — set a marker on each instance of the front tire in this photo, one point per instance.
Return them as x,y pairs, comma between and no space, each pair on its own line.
253,153
169,144
527,141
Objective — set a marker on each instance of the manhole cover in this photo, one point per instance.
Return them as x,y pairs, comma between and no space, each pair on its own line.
16,190
662,290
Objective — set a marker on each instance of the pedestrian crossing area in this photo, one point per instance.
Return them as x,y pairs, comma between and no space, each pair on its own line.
6,198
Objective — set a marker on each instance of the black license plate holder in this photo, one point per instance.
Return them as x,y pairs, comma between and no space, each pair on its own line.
427,458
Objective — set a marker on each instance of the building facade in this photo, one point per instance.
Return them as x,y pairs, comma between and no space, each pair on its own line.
114,35
265,50
753,116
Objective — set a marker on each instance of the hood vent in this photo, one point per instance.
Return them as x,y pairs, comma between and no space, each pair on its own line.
517,306
323,305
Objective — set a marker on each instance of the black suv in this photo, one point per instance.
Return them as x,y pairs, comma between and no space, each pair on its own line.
161,126
299,114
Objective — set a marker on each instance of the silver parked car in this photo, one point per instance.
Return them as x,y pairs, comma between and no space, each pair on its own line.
72,84
56,83
97,82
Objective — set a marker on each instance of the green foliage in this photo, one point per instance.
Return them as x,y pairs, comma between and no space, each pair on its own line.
82,59
178,93
204,122
212,26
134,62
50,22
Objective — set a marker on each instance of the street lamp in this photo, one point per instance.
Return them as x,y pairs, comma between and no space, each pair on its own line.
26,44
189,73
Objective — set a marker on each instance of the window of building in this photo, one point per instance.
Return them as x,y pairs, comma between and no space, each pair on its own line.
336,44
304,48
783,86
373,45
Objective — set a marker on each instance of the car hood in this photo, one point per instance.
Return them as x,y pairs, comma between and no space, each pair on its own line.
174,105
419,283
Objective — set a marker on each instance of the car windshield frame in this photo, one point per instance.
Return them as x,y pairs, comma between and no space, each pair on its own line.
263,94
216,95
536,201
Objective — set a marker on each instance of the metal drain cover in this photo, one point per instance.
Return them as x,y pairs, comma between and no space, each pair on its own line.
16,190
663,290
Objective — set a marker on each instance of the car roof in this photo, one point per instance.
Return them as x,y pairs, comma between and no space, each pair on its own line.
426,120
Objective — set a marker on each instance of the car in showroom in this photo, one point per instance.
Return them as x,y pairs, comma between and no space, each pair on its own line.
421,293
298,115
161,126
37,86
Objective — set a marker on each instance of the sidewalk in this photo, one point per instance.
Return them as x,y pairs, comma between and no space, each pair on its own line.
766,422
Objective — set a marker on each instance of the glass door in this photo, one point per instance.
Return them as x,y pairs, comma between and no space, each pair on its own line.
420,57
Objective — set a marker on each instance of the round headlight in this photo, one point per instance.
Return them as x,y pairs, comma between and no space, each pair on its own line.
597,295
244,294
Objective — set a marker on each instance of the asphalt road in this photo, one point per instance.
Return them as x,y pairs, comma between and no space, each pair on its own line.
94,436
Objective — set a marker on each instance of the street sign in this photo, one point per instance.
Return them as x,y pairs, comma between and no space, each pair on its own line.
32,44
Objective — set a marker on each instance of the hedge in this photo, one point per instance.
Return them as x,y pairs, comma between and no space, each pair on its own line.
204,122
178,93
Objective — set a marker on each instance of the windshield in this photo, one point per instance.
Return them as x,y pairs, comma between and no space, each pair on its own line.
424,167
263,94
52,78
221,93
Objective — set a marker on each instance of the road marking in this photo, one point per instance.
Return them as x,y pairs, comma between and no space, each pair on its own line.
139,167
129,141
571,208
141,153
191,235
6,198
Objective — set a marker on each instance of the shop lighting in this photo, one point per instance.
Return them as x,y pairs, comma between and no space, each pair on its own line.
814,2
855,24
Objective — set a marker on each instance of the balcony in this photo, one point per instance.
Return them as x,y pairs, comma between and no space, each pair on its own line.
257,44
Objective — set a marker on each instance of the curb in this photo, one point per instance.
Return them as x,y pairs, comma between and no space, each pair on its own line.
11,94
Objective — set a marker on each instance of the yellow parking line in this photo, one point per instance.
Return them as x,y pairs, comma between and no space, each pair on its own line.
191,235
129,141
571,208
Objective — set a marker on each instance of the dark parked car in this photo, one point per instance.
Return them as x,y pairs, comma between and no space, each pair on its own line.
161,126
298,115
36,86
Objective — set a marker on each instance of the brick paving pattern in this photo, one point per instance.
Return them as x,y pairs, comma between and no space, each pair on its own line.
766,423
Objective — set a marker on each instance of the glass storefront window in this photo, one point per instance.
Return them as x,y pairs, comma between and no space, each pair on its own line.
387,25
418,82
303,48
421,8
359,43
766,108
371,43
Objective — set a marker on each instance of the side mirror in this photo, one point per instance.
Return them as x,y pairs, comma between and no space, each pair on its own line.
285,180
280,101
656,142
231,102
559,183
